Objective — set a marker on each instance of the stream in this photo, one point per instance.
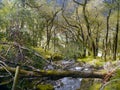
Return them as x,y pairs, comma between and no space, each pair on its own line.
69,83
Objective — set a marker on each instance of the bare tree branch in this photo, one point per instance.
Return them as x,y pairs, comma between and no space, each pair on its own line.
78,3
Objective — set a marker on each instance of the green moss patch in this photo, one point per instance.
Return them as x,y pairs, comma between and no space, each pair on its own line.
45,87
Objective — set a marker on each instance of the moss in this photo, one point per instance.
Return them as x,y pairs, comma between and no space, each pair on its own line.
95,86
46,54
90,60
45,87
86,84
57,56
87,59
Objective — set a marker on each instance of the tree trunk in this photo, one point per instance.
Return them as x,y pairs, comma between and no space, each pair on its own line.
116,34
106,38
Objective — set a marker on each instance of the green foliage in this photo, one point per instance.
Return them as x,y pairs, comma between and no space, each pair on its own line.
72,50
2,36
87,59
33,59
117,74
38,62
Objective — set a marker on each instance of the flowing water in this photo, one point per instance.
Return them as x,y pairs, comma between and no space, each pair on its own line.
69,83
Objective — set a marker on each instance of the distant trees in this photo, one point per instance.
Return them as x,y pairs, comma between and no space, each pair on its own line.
113,7
94,24
91,26
85,26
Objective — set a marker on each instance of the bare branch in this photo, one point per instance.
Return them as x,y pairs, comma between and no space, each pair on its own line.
34,6
6,82
78,3
2,64
68,21
8,50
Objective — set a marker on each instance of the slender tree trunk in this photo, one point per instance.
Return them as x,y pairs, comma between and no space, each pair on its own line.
97,38
48,39
106,38
89,30
81,33
96,46
49,28
116,34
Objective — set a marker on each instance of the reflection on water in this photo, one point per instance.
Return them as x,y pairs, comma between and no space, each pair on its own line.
68,83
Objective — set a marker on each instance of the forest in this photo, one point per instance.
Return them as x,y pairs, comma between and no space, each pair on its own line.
59,45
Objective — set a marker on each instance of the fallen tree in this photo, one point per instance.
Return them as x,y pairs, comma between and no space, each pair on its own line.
55,74
52,74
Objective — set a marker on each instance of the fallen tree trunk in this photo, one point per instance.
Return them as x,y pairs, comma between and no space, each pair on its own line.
55,74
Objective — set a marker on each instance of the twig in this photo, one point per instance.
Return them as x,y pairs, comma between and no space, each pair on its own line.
4,66
78,2
6,82
4,59
3,63
8,50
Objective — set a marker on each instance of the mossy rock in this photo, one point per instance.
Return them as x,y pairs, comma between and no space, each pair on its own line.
45,87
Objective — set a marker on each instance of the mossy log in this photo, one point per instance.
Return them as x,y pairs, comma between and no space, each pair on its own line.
55,74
